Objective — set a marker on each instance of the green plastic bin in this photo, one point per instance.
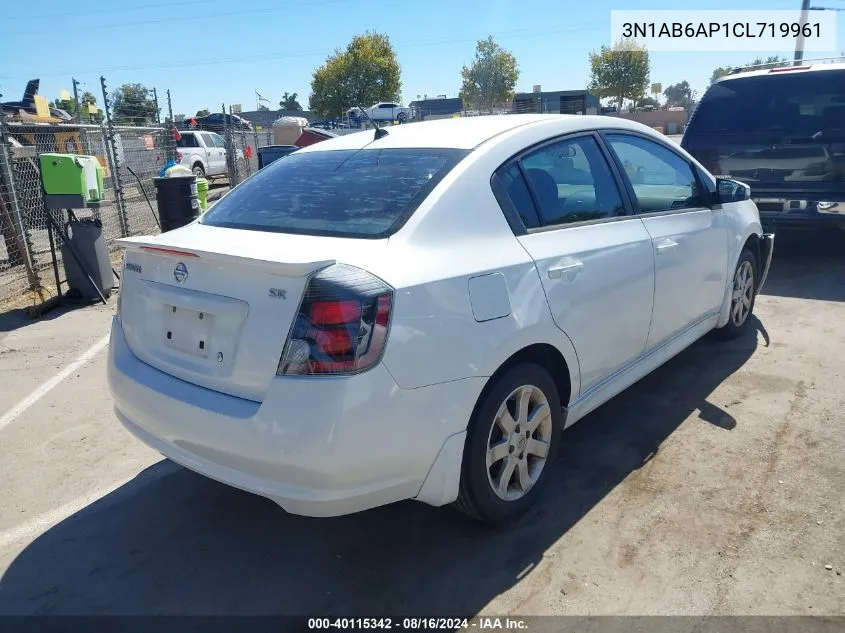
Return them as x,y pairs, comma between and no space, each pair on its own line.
202,193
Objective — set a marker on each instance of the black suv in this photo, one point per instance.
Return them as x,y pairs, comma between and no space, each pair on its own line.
782,132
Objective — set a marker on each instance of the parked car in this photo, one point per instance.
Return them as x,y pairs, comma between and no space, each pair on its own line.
418,315
382,111
782,132
217,123
204,153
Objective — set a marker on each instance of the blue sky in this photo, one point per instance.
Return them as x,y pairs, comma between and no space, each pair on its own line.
208,52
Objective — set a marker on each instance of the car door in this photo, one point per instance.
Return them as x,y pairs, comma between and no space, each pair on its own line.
594,260
220,144
216,157
690,239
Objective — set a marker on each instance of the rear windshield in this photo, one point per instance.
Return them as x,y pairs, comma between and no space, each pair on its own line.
345,193
799,104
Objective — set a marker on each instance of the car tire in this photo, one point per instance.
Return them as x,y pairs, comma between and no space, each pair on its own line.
491,454
743,294
198,170
402,117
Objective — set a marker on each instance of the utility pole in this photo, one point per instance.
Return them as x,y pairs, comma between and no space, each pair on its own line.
76,99
799,42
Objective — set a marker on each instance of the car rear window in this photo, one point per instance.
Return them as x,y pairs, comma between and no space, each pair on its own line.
346,193
797,104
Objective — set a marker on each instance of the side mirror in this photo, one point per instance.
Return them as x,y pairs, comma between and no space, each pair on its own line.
728,190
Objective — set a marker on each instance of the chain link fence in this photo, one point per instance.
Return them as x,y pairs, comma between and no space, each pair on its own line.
132,145
131,157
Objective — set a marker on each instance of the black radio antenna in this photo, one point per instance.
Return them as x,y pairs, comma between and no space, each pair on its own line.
380,132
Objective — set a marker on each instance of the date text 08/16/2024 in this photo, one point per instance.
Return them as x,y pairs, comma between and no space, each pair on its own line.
418,624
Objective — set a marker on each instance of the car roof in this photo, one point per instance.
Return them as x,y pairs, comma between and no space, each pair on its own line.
468,132
782,70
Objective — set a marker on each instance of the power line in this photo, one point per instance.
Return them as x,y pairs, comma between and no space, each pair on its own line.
526,32
192,19
99,11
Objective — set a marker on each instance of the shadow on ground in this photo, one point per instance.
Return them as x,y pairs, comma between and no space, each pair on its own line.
172,542
19,317
808,266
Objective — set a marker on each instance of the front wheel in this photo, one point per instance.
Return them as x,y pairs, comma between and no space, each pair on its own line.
510,443
402,117
743,295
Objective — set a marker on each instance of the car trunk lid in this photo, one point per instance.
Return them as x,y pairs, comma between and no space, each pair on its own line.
214,306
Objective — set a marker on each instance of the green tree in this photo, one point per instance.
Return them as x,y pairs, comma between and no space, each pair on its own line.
203,112
490,79
289,102
366,72
132,104
679,94
773,61
620,72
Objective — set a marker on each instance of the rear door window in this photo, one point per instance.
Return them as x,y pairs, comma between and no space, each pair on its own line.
572,182
346,193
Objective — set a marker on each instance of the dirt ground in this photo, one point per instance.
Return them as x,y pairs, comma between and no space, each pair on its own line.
714,486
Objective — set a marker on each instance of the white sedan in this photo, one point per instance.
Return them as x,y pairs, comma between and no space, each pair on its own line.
419,314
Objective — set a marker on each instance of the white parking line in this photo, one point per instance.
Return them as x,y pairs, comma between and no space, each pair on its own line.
12,414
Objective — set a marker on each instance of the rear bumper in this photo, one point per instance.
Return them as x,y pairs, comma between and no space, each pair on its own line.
797,214
317,447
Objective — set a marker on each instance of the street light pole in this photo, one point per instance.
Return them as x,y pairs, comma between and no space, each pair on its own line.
799,42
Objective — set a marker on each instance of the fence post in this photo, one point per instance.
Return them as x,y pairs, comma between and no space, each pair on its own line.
228,136
155,100
169,142
76,113
15,235
117,178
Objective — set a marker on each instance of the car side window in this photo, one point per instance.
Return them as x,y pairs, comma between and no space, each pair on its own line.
661,179
208,140
219,141
513,186
572,182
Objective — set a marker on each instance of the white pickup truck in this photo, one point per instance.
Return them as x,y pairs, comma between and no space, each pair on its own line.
204,153
383,111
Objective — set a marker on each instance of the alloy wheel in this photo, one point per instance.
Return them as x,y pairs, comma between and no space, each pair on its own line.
743,293
518,443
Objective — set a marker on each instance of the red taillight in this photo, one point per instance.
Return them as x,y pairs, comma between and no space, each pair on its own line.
342,324
334,312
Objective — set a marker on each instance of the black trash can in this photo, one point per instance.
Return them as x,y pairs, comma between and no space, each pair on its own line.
178,203
86,236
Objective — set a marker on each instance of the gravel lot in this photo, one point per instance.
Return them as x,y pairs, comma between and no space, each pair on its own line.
714,486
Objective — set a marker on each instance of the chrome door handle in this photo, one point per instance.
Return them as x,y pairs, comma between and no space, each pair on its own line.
665,246
555,272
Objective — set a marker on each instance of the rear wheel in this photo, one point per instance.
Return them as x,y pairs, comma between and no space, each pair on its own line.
743,294
510,444
402,117
199,172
